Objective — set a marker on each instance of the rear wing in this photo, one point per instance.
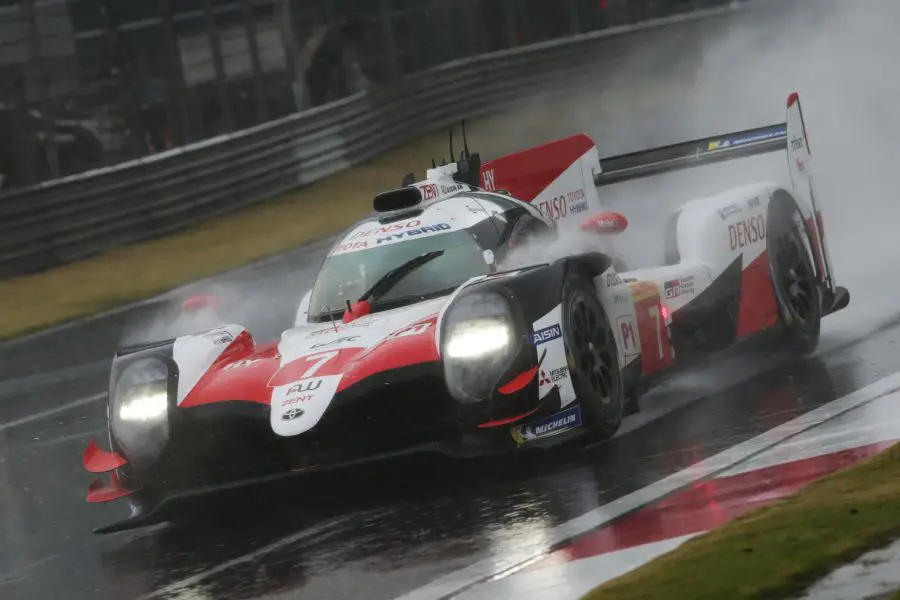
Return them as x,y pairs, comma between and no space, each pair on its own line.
685,155
790,136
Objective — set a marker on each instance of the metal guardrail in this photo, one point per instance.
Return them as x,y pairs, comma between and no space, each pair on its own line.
71,218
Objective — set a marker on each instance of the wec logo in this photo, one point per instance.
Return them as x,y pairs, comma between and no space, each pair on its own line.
341,340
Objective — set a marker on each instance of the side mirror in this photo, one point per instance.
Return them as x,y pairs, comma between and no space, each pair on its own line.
604,223
200,302
303,310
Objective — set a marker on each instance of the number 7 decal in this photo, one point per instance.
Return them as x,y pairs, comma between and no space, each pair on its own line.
320,359
653,311
656,348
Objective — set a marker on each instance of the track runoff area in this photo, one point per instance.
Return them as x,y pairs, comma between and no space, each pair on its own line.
631,531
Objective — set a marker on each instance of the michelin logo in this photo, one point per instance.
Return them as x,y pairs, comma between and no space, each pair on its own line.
552,425
546,334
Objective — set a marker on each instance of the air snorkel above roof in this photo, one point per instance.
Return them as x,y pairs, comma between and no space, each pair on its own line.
466,170
440,182
399,200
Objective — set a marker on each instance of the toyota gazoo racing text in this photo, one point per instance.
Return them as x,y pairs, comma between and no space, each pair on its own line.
425,328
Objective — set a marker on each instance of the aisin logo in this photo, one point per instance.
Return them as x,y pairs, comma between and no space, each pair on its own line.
292,413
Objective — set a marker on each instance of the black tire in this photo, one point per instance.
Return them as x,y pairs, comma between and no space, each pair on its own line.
592,356
793,276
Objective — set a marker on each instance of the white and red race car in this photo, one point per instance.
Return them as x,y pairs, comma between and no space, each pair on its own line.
429,326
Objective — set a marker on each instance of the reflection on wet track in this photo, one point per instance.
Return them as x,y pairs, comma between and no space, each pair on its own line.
385,529
380,531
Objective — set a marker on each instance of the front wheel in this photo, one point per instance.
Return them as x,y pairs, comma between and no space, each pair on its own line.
592,356
793,277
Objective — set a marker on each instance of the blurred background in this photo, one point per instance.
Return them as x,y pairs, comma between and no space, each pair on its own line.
86,84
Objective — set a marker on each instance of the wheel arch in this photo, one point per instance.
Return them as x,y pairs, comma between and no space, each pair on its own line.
783,206
782,199
591,264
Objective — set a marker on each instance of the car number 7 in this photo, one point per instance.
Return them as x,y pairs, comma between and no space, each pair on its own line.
320,359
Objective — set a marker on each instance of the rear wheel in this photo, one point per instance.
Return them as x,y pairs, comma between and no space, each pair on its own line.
793,276
592,356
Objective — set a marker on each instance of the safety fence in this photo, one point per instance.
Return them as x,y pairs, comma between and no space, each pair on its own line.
73,217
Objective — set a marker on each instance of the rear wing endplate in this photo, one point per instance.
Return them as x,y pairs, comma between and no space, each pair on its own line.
685,155
790,136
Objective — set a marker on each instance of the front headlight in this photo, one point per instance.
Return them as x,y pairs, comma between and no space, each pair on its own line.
478,343
478,337
140,408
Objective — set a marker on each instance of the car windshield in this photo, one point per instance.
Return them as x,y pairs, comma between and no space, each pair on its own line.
348,276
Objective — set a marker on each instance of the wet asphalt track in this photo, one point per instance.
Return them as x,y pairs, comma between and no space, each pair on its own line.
382,531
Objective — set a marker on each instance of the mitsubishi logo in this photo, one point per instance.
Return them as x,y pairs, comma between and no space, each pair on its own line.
292,413
544,379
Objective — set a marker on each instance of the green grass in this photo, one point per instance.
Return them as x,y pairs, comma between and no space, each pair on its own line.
778,550
142,270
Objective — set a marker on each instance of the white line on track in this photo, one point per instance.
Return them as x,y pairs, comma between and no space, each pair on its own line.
319,532
52,411
28,383
498,566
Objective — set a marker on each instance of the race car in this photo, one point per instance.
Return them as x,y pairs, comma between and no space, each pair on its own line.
477,311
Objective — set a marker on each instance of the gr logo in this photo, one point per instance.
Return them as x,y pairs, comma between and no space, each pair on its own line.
305,386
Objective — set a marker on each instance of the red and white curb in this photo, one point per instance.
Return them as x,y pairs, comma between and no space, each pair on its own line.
568,560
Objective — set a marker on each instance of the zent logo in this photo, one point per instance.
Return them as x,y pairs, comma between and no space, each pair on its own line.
297,400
